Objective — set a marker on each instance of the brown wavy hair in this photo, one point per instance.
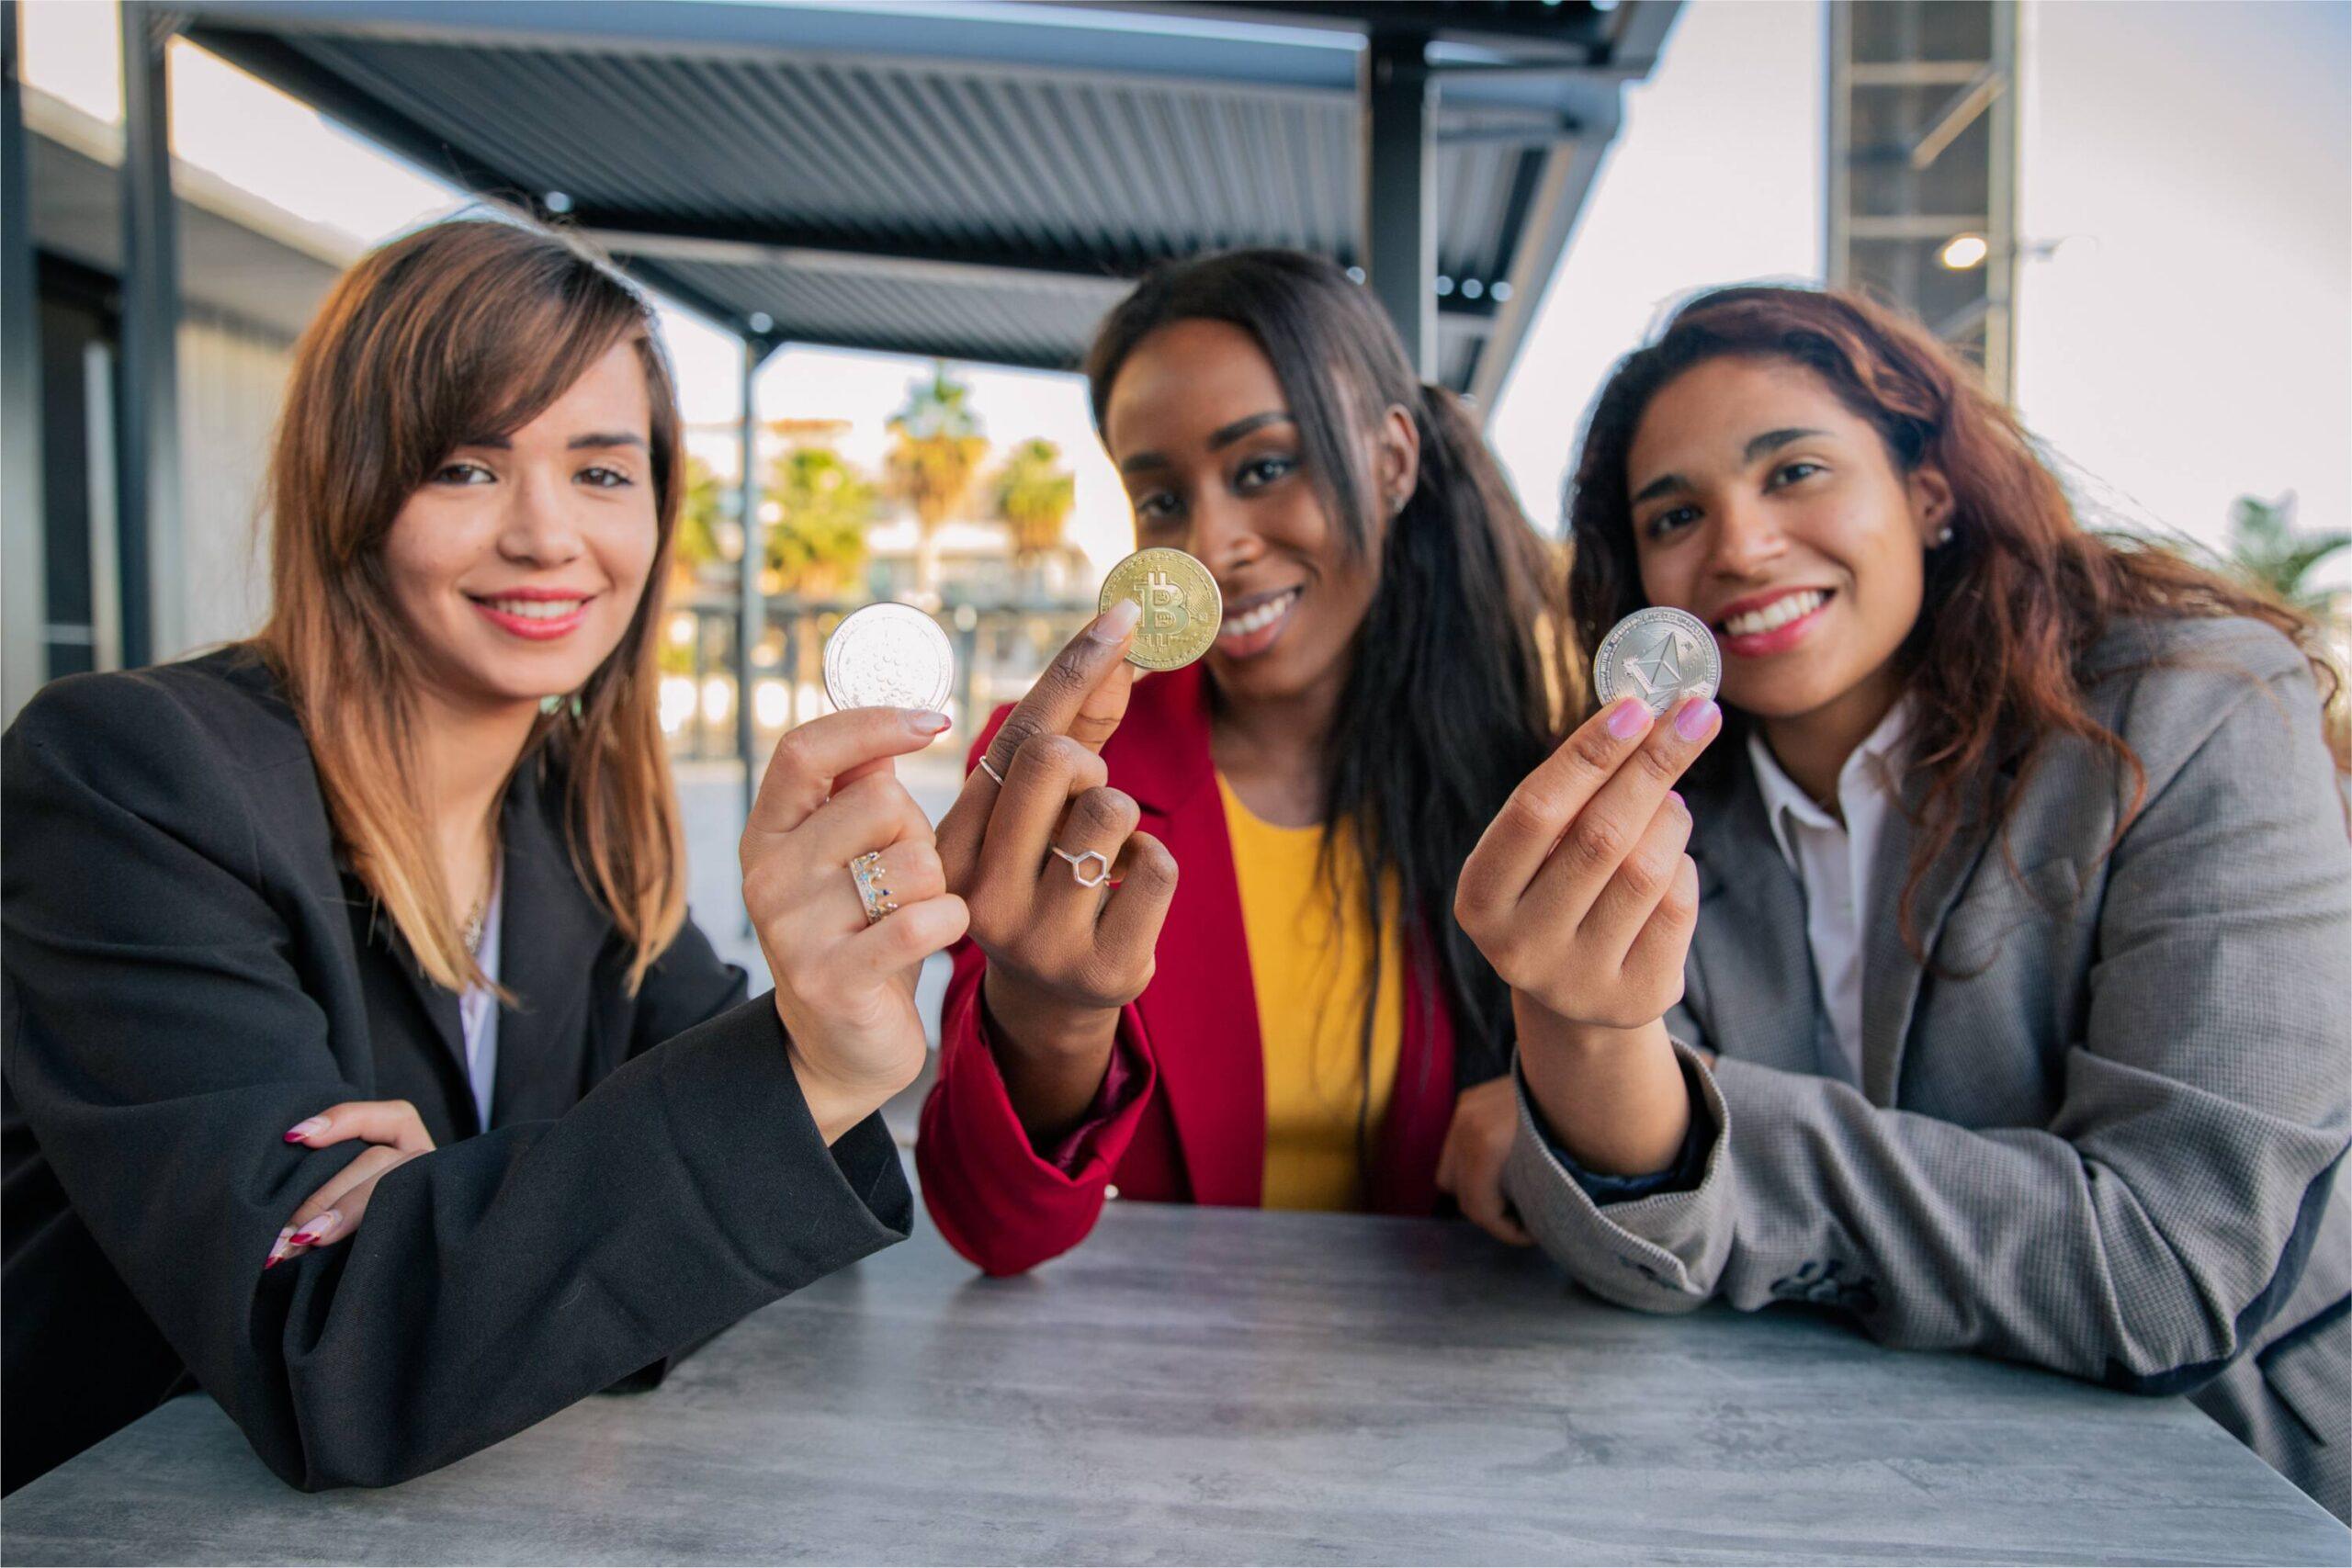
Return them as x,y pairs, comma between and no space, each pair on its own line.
2014,602
463,328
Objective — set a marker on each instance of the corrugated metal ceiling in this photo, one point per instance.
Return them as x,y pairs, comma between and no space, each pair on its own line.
822,188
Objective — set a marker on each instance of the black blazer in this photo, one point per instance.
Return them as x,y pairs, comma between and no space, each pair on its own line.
189,970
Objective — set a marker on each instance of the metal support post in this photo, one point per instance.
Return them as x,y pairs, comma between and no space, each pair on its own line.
150,490
24,587
750,612
1399,101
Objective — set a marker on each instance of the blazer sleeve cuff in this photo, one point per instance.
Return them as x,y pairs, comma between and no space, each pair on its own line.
1079,1160
1660,1247
797,1208
1682,1174
995,1198
1123,1087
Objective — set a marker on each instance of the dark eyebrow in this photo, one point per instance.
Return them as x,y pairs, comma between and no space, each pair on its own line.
1663,485
1225,435
1141,461
598,438
1772,441
1230,434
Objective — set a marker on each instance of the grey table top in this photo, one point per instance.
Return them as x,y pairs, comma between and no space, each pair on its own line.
1215,1386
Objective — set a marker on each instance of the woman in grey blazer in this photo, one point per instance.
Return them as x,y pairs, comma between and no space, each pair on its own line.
2000,999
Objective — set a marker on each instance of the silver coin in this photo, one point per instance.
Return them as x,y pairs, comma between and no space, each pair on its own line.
1660,655
889,656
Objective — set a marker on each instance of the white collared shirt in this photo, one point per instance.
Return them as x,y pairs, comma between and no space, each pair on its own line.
1833,861
478,1007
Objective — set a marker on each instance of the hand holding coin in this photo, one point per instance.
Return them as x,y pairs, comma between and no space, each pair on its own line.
1067,898
845,965
1579,893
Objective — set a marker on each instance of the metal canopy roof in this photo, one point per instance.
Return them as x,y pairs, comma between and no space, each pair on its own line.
239,254
974,181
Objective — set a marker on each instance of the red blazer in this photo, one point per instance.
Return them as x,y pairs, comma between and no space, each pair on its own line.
1194,1129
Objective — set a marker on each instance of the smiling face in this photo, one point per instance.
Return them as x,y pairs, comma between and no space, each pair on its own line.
1764,506
1214,462
517,566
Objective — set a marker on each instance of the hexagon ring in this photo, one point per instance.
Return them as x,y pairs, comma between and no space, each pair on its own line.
1078,865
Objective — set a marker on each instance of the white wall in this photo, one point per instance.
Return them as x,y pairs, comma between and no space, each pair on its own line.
2191,340
232,379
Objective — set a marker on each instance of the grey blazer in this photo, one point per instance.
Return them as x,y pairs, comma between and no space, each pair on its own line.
2099,1131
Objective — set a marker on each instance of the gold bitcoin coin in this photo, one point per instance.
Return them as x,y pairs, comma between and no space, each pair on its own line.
1181,606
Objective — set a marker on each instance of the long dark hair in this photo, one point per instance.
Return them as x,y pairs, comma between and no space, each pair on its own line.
1455,684
2014,602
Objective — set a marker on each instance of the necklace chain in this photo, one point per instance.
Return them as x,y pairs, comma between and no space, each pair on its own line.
475,920
477,917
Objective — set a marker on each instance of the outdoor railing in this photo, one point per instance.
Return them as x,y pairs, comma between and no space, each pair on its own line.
1000,649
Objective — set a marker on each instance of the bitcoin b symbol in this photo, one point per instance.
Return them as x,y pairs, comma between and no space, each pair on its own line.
1180,604
1163,605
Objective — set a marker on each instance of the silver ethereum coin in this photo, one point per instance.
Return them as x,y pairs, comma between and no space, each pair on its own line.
889,656
1660,655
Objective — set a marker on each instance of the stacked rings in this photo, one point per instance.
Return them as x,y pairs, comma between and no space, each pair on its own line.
867,871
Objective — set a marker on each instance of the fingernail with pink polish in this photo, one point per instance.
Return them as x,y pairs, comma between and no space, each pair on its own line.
1676,795
308,1127
1629,719
1695,720
318,1230
924,723
1115,622
278,1249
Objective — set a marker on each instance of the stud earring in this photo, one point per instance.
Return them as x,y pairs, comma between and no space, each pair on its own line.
1944,537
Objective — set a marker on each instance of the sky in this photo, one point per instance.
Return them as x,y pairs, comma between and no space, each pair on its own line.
1678,206
2183,315
2185,335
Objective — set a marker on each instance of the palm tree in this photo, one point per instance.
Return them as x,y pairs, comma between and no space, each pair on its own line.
938,450
2267,550
1034,494
696,545
821,506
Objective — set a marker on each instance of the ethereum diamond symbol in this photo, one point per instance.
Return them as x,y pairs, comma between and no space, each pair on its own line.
1660,670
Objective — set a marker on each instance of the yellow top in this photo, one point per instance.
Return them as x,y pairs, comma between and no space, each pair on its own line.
1310,970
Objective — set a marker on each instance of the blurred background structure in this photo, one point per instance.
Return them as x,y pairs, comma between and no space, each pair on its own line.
879,235
1922,165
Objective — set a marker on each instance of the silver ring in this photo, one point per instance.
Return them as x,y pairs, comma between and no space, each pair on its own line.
989,768
1078,865
867,871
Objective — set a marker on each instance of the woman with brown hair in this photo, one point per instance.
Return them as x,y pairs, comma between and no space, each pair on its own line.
383,912
2000,999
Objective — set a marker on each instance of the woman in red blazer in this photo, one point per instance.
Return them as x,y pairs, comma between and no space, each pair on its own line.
1381,680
